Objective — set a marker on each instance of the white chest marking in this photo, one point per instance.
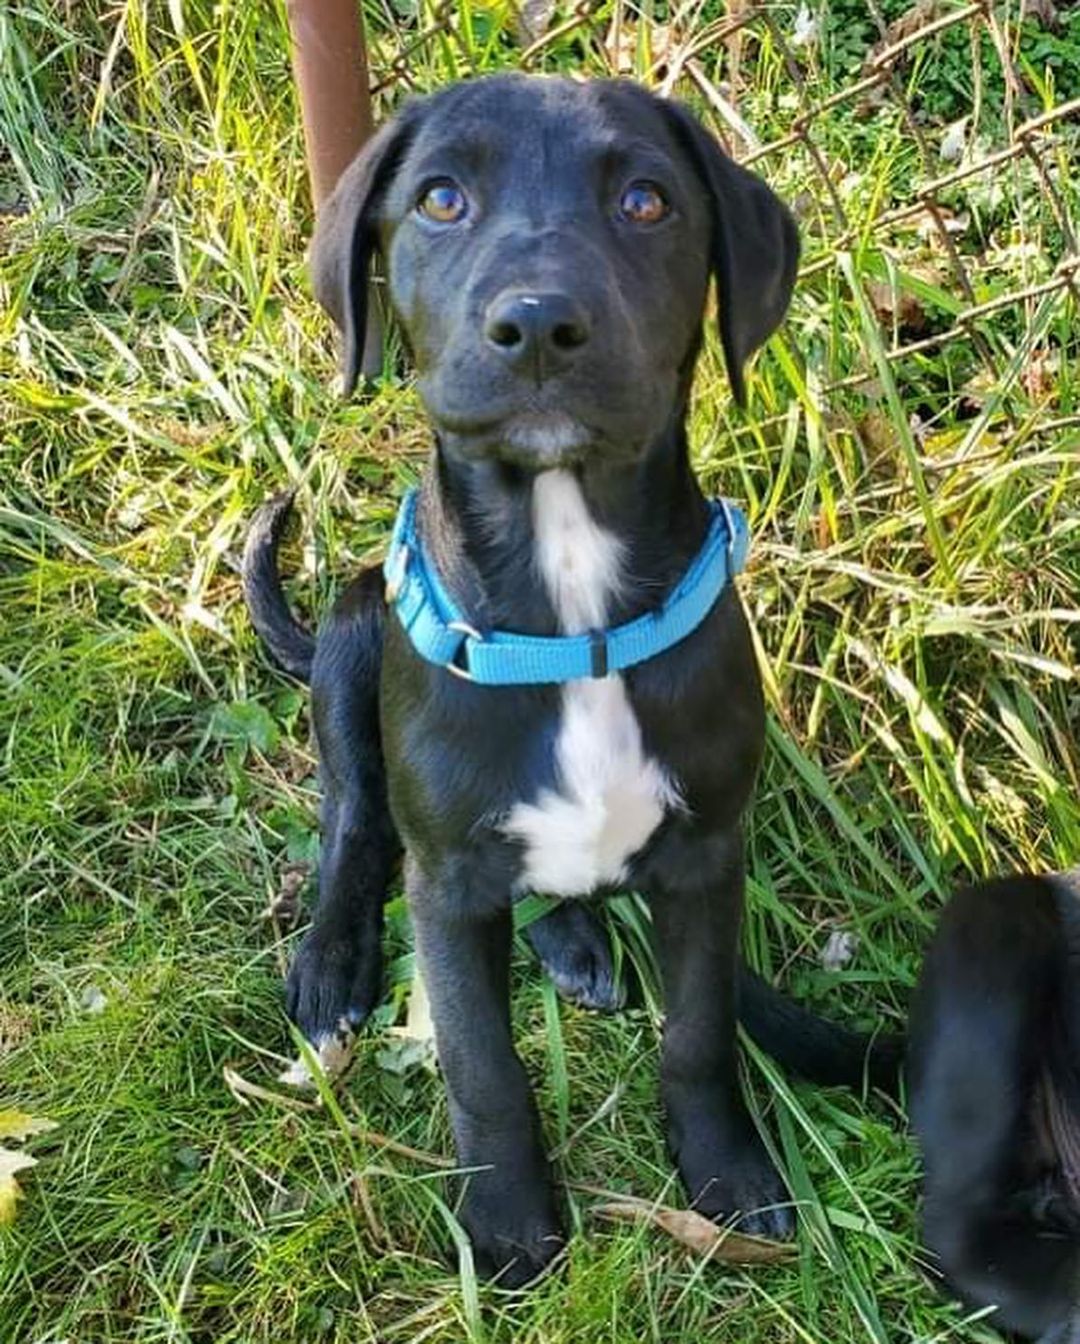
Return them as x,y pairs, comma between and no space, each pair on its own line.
609,796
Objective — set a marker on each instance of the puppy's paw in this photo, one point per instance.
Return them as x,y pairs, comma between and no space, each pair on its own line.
737,1185
333,984
515,1239
574,950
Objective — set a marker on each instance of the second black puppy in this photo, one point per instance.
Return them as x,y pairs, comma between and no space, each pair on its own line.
993,1075
569,700
992,1064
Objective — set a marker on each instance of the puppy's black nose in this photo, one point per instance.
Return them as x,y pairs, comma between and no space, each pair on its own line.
540,333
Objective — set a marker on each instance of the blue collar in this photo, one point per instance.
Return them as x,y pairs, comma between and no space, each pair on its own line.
440,633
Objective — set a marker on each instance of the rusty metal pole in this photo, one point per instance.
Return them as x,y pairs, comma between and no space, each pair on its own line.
329,57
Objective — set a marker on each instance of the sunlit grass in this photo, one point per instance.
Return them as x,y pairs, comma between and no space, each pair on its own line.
913,589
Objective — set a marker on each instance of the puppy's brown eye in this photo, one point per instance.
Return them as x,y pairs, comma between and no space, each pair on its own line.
443,203
643,203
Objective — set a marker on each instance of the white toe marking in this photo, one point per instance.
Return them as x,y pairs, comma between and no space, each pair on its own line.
333,1052
610,796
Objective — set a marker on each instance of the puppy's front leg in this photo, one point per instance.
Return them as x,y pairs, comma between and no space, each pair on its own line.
508,1207
720,1155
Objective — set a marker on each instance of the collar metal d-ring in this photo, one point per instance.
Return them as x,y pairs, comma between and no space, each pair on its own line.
397,576
470,632
729,523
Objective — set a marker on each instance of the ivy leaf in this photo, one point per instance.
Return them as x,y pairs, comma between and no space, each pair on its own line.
246,723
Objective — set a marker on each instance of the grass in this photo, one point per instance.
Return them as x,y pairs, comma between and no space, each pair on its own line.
914,595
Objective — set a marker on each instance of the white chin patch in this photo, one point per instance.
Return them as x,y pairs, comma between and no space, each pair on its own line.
546,437
610,797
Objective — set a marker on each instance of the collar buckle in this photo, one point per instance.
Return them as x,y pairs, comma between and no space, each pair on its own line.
598,654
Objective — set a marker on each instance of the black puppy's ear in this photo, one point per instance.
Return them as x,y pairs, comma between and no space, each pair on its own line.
346,237
755,247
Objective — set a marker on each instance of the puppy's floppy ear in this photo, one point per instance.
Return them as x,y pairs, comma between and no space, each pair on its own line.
346,237
755,247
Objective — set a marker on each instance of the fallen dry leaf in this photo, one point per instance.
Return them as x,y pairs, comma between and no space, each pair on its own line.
807,27
954,142
286,908
17,1125
16,1027
532,19
1044,12
419,1027
10,1194
878,434
696,1232
1040,376
622,45
981,385
925,223
363,1202
414,1043
871,102
908,23
92,1000
894,305
839,950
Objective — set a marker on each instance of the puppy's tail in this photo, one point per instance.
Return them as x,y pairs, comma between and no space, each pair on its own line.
290,645
819,1050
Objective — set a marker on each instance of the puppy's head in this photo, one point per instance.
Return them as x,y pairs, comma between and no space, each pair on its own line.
548,247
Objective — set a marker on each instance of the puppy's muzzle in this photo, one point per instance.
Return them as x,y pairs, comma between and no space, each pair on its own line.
537,334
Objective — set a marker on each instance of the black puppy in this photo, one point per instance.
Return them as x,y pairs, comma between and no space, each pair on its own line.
993,1081
548,247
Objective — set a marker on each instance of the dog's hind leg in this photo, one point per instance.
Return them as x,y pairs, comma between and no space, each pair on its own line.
336,976
573,946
